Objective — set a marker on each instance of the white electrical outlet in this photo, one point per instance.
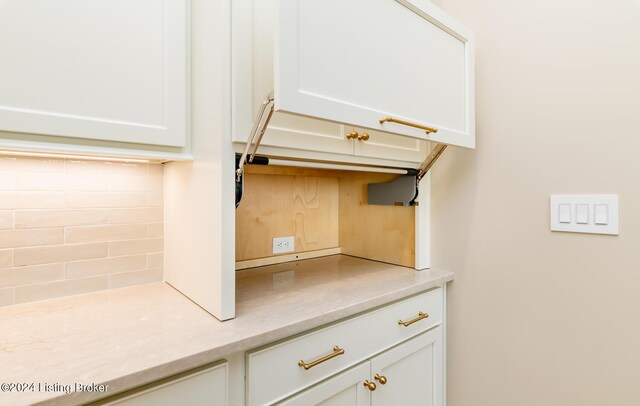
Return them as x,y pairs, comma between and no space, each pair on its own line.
283,244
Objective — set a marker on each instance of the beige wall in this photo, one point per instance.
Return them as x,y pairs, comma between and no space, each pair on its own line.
71,226
535,317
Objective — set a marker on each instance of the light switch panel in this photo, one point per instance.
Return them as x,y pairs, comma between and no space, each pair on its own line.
564,213
596,214
582,213
601,213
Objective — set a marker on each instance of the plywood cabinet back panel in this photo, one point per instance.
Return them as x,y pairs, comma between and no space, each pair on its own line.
322,209
381,233
305,207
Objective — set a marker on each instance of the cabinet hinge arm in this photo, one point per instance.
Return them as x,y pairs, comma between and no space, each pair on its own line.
257,132
433,156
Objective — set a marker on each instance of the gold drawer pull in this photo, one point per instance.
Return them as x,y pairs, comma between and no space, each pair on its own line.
397,120
370,385
421,316
363,137
336,351
381,378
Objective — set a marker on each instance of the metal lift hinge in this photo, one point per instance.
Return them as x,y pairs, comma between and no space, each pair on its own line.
258,129
403,191
435,153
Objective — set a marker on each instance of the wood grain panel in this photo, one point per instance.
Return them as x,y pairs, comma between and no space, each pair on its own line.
274,205
381,233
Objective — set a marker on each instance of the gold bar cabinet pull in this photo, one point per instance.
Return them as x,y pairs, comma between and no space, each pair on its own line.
408,123
421,316
336,351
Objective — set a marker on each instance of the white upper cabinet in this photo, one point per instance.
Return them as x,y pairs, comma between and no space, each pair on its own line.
360,61
113,70
336,66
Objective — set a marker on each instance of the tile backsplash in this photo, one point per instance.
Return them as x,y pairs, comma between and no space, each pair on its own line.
70,226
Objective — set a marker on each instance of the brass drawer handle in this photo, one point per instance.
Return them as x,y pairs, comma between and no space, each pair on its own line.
370,385
336,351
353,135
363,137
410,124
381,378
421,316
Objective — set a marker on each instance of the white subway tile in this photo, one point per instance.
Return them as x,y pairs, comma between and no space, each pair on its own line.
155,199
51,290
60,182
31,200
81,269
136,184
6,297
80,200
59,253
30,275
155,169
120,280
30,164
119,248
146,215
104,233
155,261
155,230
6,219
6,259
60,218
6,181
31,237
106,168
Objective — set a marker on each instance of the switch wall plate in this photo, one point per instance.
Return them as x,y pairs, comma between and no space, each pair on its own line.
283,244
595,214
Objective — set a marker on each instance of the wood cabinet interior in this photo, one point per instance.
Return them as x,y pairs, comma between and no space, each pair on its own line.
322,209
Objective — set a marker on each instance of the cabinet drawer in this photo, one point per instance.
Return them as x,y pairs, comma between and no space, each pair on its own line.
274,372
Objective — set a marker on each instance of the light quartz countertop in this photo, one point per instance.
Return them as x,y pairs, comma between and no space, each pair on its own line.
128,337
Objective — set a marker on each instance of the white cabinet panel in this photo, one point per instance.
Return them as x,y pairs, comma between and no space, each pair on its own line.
404,59
253,79
345,389
205,387
413,372
391,146
112,70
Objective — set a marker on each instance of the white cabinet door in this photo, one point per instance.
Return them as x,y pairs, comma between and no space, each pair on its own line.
253,79
345,389
205,387
359,61
112,70
413,372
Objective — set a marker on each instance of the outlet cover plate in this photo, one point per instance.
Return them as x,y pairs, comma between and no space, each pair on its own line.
283,245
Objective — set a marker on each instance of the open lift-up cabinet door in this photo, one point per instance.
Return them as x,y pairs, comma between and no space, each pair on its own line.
399,66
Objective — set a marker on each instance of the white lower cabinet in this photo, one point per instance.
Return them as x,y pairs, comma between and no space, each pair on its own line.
390,353
412,372
203,386
344,389
408,374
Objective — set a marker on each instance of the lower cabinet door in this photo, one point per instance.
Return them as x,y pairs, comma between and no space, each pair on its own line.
344,389
410,373
206,386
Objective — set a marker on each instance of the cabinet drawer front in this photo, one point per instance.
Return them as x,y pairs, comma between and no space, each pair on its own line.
407,60
274,372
